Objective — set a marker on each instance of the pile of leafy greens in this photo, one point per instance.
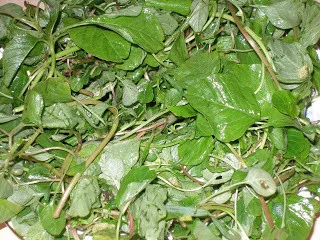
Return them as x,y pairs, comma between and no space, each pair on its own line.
159,119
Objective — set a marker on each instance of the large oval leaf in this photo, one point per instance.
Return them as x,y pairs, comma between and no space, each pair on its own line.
229,110
101,43
143,30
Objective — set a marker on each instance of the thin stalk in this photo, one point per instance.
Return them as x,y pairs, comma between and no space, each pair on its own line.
237,155
53,59
76,178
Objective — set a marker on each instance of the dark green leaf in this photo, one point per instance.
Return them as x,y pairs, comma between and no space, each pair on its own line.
182,6
228,110
134,60
131,11
298,144
15,52
143,30
59,115
203,127
184,111
194,152
6,189
168,23
133,183
145,91
52,225
101,43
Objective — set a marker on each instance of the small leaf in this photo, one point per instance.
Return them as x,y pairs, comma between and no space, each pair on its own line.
285,102
261,182
182,6
8,210
133,183
131,11
278,119
199,14
298,145
184,111
33,108
130,93
194,152
179,53
145,91
101,43
54,226
134,60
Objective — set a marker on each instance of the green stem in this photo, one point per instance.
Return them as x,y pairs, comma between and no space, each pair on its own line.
30,141
53,58
76,178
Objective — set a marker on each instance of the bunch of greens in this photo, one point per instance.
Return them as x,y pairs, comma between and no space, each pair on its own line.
159,119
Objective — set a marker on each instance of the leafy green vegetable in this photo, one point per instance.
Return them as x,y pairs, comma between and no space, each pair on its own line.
159,119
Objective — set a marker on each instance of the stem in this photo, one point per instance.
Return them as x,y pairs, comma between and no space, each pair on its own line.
250,40
266,212
243,164
53,58
76,178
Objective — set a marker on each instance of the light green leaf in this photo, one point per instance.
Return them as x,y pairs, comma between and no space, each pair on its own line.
197,67
84,197
299,214
199,14
130,93
131,11
117,160
15,52
37,231
184,111
284,14
8,210
278,119
201,231
101,43
229,110
7,118
168,23
33,108
54,226
6,189
178,53
59,115
285,102
257,79
194,152
134,60
143,30
133,183
310,30
150,211
182,6
261,181
54,90
203,127
292,62
298,145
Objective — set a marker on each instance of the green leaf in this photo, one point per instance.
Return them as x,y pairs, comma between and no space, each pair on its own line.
15,52
182,6
117,160
143,30
197,67
36,231
54,90
199,14
277,119
277,138
133,183
285,102
130,93
130,11
299,214
54,226
292,62
83,197
101,43
194,152
8,210
150,211
54,13
33,108
168,23
298,145
229,110
178,53
7,118
6,189
59,115
134,60
255,77
279,15
310,30
184,111
201,231
145,91
261,181
203,127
